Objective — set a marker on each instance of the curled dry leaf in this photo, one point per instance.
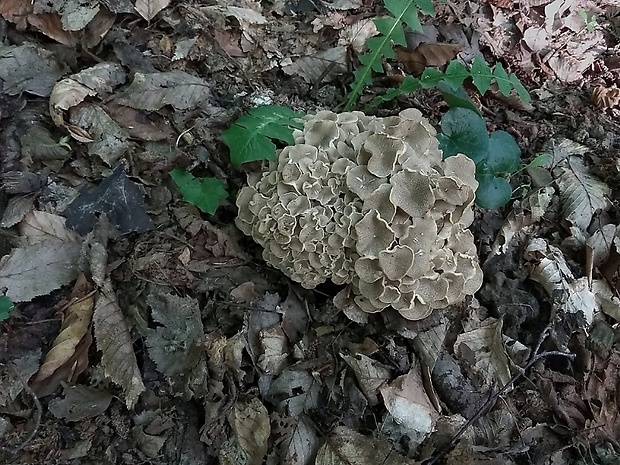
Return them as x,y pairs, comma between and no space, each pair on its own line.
605,97
550,270
115,342
68,357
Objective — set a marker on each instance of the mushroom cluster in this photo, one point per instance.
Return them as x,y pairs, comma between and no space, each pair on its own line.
368,202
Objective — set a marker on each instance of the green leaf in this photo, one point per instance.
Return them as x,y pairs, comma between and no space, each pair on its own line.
409,84
457,98
391,31
541,159
456,73
463,131
6,305
501,77
205,193
521,91
493,192
431,77
249,137
481,74
504,155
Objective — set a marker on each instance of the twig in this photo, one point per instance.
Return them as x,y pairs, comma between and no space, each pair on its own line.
490,402
37,419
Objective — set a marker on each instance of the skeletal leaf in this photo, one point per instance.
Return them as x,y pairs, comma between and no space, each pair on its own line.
582,194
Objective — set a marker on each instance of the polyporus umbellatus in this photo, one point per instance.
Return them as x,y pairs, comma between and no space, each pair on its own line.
368,202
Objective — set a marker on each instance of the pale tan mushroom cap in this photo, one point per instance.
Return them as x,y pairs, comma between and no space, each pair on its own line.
368,202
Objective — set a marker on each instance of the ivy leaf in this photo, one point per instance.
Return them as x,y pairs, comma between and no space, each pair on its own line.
205,193
6,305
463,131
504,154
249,139
493,192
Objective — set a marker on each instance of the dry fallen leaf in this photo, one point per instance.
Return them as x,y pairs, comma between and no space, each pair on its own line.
408,403
80,402
68,356
346,446
34,270
414,61
251,429
606,97
114,341
148,9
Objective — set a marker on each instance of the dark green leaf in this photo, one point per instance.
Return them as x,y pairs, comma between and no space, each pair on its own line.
248,138
457,97
426,6
504,154
463,131
6,305
206,193
492,192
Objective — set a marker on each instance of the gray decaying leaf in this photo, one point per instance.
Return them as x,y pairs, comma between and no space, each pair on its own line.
80,402
117,197
38,269
169,345
17,373
582,194
28,68
154,91
110,140
345,446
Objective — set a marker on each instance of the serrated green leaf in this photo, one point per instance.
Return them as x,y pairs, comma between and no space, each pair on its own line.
6,305
456,73
426,7
492,192
409,84
504,154
463,131
205,193
249,137
501,77
391,31
431,77
481,74
457,98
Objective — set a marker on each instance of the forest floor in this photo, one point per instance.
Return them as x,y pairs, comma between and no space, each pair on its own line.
139,330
